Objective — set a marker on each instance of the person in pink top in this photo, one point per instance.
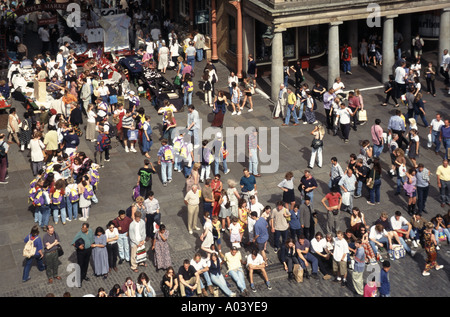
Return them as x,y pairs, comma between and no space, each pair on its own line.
377,138
371,290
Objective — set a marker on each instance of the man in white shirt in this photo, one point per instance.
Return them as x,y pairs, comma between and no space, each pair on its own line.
340,253
254,205
255,261
153,215
201,265
318,249
338,87
136,233
155,32
400,225
400,76
343,116
444,69
435,131
193,125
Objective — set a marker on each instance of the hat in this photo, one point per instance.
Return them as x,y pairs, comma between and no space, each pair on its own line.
219,135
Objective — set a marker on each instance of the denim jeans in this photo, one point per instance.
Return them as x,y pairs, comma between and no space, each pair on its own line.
374,246
177,160
276,238
219,281
400,181
346,66
37,215
124,247
291,109
405,246
377,150
239,278
300,111
446,143
415,233
207,278
72,209
45,211
195,133
56,211
375,191
435,139
253,162
191,60
216,165
311,259
29,262
166,171
199,55
187,98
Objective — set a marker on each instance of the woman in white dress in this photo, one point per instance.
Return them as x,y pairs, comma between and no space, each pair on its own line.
163,58
90,128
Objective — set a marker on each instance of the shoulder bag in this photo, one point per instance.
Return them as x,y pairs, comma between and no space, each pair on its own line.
317,143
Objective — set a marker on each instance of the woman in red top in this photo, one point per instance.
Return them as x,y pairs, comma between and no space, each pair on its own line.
216,186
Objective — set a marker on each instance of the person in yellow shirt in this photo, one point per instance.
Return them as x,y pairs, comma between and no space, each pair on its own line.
443,182
291,101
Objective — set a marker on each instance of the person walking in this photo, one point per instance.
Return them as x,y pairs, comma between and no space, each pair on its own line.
165,160
281,103
346,57
443,182
430,245
51,244
4,148
291,101
38,255
317,146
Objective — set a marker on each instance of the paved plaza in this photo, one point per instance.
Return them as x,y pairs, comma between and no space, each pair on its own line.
119,176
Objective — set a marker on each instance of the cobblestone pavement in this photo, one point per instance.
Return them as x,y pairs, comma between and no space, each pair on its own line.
119,176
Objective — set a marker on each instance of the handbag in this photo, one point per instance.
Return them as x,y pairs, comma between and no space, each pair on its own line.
60,250
298,273
362,115
317,143
133,135
371,181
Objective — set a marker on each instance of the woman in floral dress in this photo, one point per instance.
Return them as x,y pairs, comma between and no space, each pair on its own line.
430,248
161,248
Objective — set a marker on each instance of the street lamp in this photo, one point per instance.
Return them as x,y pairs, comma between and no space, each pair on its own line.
268,36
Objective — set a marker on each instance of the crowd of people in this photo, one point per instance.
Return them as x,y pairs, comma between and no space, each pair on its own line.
66,179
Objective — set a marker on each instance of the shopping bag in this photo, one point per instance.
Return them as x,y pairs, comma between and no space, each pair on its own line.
362,115
298,273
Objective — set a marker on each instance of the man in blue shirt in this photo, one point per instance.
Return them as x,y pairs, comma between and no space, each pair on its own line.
397,125
294,225
248,184
261,233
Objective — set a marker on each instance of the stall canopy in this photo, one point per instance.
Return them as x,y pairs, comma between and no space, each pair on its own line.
115,32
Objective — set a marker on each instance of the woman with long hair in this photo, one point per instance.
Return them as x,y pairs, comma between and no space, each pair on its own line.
143,287
169,283
220,107
318,133
375,177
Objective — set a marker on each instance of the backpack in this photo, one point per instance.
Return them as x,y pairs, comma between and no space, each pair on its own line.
95,177
105,142
37,197
177,145
73,194
57,197
29,250
345,53
168,155
2,150
189,86
418,44
207,85
88,192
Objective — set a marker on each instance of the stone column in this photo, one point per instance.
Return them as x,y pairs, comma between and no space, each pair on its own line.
405,29
334,60
388,47
352,31
277,62
444,34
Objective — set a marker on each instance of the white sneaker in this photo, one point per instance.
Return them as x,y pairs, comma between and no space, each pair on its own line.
227,172
190,232
425,273
239,113
250,110
413,253
133,150
438,247
414,244
126,149
233,113
304,122
438,267
418,244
